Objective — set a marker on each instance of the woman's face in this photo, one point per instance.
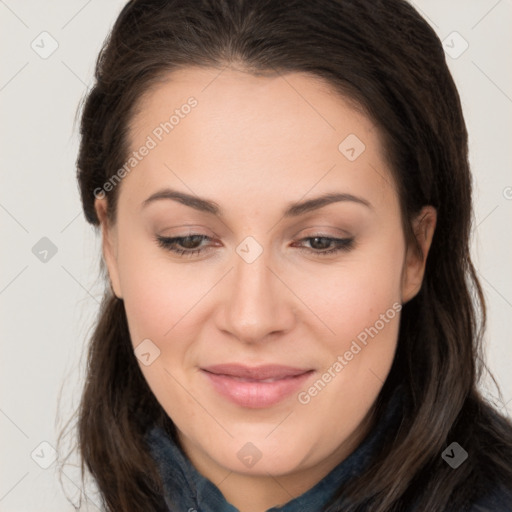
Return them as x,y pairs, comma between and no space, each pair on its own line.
309,336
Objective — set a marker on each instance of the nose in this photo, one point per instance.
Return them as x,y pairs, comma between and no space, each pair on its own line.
257,304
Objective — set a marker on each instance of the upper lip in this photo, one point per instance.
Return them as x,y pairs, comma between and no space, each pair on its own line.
270,371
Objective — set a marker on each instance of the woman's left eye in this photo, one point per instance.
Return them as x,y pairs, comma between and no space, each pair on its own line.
191,244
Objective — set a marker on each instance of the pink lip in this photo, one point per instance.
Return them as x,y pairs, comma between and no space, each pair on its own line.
245,385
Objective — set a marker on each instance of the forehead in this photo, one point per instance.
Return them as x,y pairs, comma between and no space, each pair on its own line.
249,134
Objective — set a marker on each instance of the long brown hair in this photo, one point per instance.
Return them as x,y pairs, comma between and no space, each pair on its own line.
384,56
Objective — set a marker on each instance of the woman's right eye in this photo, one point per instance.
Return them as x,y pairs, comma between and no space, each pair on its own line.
171,244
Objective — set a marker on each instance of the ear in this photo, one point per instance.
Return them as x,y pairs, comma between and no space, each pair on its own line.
423,226
109,244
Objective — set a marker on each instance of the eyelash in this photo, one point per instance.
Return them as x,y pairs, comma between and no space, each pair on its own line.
168,243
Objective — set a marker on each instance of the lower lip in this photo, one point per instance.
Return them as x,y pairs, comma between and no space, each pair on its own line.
256,395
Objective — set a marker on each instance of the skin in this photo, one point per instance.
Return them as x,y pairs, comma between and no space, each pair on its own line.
254,145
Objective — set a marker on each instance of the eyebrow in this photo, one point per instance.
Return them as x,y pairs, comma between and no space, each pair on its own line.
292,210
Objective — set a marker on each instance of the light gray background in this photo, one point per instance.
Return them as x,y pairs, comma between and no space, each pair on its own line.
48,308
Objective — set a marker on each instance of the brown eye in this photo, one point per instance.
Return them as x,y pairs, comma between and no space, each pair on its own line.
190,242
320,245
183,245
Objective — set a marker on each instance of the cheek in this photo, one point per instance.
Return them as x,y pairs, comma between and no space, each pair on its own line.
159,300
364,311
163,301
351,296
157,293
361,303
157,303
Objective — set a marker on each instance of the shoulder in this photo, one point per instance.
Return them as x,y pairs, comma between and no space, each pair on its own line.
492,450
485,483
499,499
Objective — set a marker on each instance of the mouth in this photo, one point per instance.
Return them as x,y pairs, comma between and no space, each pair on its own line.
256,387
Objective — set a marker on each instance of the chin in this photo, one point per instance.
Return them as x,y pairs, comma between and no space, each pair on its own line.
261,456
